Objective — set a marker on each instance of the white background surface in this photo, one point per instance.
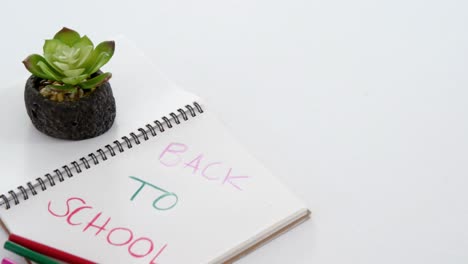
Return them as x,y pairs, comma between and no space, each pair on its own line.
359,106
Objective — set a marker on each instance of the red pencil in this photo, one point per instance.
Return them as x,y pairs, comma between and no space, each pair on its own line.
48,251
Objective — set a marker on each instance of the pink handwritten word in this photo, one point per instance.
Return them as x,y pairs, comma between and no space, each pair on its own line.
173,155
114,235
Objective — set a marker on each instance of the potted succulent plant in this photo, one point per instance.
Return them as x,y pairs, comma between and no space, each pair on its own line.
67,95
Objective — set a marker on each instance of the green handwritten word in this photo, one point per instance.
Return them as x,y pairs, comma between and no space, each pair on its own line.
159,198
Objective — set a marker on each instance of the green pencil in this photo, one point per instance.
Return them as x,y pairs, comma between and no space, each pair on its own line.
29,254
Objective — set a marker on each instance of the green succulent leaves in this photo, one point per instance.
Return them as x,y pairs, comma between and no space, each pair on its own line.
70,59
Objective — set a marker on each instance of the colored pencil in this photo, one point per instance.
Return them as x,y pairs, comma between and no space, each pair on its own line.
7,261
48,250
29,254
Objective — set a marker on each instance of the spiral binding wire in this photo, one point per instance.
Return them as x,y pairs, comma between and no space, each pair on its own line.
84,163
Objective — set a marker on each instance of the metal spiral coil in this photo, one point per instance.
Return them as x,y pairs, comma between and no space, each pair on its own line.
59,175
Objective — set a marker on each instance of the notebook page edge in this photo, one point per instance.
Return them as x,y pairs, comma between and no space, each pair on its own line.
264,237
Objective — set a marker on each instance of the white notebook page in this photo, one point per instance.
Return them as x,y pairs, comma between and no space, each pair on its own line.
216,197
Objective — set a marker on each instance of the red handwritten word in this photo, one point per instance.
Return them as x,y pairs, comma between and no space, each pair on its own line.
172,156
135,245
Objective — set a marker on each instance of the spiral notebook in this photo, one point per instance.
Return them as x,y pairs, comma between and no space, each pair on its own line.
177,189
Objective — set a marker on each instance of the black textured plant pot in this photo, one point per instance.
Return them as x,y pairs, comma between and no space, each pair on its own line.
88,117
